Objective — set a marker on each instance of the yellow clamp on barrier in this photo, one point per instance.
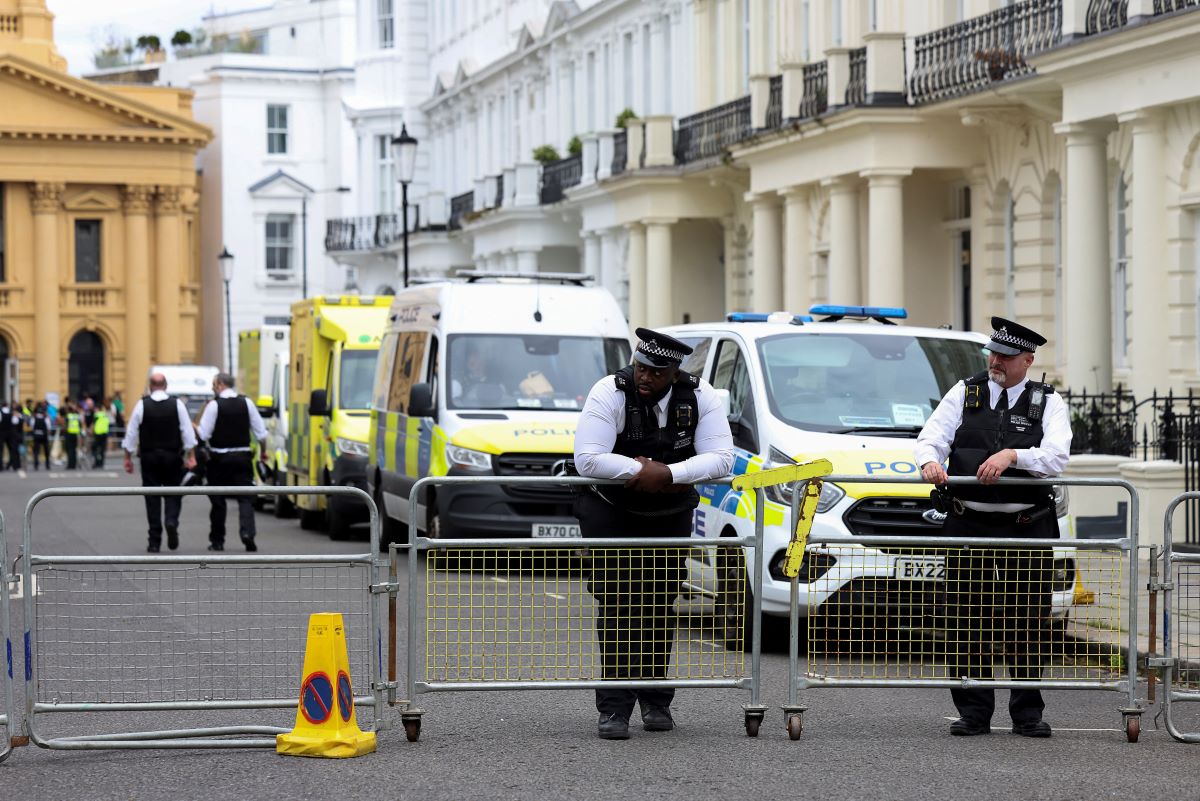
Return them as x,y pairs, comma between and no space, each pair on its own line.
326,724
808,474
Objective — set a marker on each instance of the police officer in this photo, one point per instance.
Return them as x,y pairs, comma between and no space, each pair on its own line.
12,430
227,424
100,424
160,430
73,426
999,424
661,430
39,426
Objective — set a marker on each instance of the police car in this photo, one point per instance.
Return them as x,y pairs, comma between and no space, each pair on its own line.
848,384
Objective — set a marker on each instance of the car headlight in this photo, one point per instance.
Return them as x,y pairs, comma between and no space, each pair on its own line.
830,495
351,447
467,459
1062,501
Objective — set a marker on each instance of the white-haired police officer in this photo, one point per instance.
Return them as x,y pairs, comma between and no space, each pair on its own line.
999,424
662,430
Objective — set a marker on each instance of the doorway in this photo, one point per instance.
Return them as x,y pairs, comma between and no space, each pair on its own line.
85,366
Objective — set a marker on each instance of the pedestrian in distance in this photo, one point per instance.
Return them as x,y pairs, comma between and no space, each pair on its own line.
39,428
227,424
161,433
100,424
998,424
72,428
661,430
117,408
12,431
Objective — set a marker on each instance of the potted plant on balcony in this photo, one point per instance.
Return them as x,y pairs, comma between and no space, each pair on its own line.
999,62
575,146
545,154
624,117
151,47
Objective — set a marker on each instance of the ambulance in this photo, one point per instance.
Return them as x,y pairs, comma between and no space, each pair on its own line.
848,384
262,376
334,343
486,376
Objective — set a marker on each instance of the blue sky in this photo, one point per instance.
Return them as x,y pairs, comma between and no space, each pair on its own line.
80,26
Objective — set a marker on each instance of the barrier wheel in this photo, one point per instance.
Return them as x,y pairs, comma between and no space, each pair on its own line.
412,729
795,725
1133,727
753,722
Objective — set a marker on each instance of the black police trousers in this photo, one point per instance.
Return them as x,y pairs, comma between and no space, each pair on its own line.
998,610
635,591
231,470
161,468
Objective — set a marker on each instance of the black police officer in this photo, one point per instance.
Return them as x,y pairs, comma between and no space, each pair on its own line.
662,430
999,424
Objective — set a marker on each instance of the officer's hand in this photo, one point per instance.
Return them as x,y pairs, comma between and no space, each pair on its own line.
989,472
190,461
128,463
934,473
654,476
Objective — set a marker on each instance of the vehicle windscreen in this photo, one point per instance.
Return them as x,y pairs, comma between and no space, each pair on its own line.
357,379
493,371
863,383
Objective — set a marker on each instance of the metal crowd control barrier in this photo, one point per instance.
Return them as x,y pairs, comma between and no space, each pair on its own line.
218,632
519,614
1181,626
8,716
880,597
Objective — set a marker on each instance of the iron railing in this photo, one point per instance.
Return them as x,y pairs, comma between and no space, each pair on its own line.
559,176
620,151
1106,15
775,102
816,90
856,86
970,55
1102,422
460,205
499,191
361,233
709,133
1171,6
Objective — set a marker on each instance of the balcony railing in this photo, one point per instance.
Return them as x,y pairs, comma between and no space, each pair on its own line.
559,176
970,55
856,86
709,133
460,205
1171,6
1105,15
499,191
775,102
620,151
816,90
361,233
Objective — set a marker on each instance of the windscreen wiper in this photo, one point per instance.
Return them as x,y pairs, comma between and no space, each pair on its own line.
896,431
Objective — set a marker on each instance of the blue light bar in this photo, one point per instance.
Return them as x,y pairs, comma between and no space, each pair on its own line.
767,317
746,317
871,312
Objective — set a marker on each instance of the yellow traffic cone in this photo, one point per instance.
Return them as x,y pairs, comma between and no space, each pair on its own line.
326,725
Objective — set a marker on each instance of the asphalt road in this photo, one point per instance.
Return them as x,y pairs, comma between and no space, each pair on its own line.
891,744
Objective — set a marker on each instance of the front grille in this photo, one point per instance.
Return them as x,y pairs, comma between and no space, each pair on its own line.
892,517
532,464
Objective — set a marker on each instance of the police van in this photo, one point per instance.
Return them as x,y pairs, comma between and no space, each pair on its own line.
848,384
485,376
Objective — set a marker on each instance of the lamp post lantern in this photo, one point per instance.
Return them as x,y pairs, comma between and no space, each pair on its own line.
404,154
226,260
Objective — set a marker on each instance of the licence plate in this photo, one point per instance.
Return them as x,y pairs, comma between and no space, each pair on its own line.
920,568
554,530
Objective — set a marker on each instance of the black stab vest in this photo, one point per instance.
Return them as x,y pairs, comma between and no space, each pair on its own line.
160,425
670,444
232,429
984,431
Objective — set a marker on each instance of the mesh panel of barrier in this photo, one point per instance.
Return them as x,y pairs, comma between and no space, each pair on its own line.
1185,622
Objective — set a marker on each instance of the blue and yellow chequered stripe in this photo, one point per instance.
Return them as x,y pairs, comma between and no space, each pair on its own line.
405,445
299,436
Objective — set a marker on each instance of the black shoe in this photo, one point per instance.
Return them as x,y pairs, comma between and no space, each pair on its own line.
1031,728
249,543
613,727
969,728
151,549
172,537
216,547
657,718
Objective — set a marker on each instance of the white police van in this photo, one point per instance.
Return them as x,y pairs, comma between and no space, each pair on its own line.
847,384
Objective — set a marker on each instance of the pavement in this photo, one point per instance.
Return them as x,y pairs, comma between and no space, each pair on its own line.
857,743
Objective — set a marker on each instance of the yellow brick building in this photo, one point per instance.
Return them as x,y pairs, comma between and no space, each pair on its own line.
99,229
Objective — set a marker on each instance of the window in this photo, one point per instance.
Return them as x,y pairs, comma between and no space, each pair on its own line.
694,363
1120,288
835,22
385,22
593,98
385,175
357,379
646,73
730,373
87,251
277,129
280,246
804,31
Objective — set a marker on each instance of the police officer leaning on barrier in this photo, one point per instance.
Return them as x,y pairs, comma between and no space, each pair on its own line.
998,424
161,433
227,423
662,430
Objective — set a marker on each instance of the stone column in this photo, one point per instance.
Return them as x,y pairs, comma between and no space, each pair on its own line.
705,53
977,180
729,241
636,259
767,281
660,284
1088,324
844,283
1149,354
885,236
47,203
660,70
760,76
167,275
591,257
797,272
137,201
610,267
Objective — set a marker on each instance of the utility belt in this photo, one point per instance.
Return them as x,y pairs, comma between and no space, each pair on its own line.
947,504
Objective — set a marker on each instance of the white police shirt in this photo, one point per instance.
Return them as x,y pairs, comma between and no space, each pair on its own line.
208,421
186,431
1048,459
603,418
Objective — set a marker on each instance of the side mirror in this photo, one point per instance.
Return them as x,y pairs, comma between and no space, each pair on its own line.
266,406
420,401
723,397
318,403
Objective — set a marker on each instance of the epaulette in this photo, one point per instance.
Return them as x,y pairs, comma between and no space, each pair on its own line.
688,379
621,381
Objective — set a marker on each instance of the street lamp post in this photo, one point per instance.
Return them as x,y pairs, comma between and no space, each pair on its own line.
404,153
226,259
